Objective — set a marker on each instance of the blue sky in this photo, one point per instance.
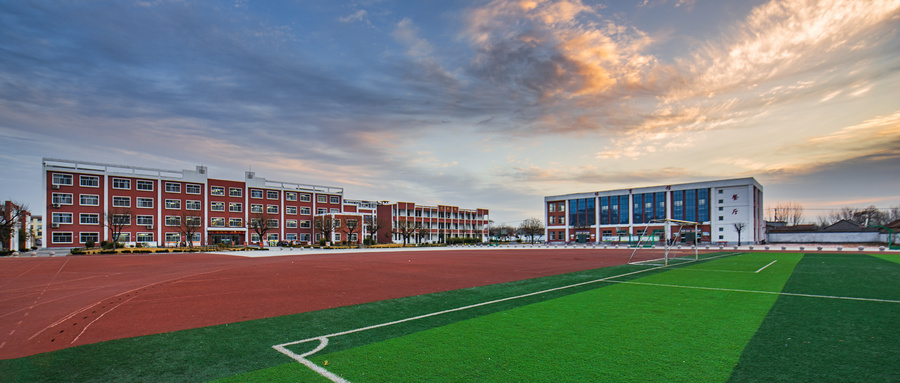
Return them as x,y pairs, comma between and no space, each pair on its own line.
490,104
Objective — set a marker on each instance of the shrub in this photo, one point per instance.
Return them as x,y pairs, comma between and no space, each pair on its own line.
77,251
322,242
89,244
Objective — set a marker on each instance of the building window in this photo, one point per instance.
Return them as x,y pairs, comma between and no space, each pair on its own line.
174,204
335,210
354,237
305,210
272,223
721,229
304,237
721,191
256,208
321,198
290,196
217,222
173,237
235,222
562,206
553,220
89,219
721,237
62,237
562,220
721,218
189,205
290,210
88,237
337,236
305,198
145,202
337,223
272,237
272,209
235,207
144,237
144,185
144,220
291,224
552,207
121,183
121,219
124,237
173,220
217,206
62,198
90,181
290,237
305,224
335,199
256,193
235,192
254,237
321,210
121,201
271,194
63,179
192,189
217,190
173,187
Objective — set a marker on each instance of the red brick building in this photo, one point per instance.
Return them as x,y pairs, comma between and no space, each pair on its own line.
407,222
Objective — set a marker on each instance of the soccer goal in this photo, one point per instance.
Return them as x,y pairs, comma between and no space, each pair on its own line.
666,241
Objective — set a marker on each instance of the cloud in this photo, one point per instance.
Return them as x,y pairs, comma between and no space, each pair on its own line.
359,15
407,33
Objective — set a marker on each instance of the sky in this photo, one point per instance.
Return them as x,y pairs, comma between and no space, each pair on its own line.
478,104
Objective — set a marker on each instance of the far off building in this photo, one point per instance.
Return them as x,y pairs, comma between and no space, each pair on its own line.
406,222
17,227
727,211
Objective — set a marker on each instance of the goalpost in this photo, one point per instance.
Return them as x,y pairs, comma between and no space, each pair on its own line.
675,234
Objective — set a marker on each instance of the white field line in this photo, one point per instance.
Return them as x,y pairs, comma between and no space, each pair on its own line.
764,267
323,339
761,292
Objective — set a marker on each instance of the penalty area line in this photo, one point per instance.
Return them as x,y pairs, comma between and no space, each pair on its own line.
764,267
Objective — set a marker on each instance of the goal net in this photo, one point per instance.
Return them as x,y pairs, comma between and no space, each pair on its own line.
663,242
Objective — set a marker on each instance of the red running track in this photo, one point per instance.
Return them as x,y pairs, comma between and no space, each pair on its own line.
48,304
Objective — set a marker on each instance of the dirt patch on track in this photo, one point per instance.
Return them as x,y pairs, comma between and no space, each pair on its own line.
48,304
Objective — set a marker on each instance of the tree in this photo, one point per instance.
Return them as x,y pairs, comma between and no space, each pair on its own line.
739,226
116,219
532,227
351,225
326,224
11,214
373,224
421,232
260,224
869,216
189,226
406,229
789,212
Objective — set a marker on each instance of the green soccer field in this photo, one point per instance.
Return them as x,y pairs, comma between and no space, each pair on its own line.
731,317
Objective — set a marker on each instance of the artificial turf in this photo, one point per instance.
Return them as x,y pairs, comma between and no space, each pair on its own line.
820,339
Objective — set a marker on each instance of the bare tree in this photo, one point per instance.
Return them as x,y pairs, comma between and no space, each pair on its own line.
406,229
421,231
739,226
260,223
189,226
116,220
326,224
373,224
352,225
532,227
11,214
869,216
789,212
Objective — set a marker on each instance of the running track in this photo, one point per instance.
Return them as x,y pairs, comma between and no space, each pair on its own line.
48,304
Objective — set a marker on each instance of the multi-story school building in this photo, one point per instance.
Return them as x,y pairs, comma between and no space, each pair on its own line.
408,222
720,207
160,207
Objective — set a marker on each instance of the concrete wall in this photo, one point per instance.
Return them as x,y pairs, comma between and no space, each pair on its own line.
828,237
